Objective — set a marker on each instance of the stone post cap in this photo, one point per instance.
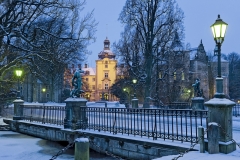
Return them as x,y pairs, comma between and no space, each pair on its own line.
220,102
75,99
212,124
18,101
84,140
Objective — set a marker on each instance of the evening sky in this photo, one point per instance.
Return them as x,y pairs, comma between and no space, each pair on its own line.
199,16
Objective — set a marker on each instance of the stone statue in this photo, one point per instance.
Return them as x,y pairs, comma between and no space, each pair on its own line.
197,91
77,83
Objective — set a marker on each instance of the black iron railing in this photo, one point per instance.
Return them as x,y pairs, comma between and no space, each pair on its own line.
178,105
173,124
170,124
236,110
7,112
44,114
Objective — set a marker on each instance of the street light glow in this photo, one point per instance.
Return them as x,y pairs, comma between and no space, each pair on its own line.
44,89
134,81
19,72
219,29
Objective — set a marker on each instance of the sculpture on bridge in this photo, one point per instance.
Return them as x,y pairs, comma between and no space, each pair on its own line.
77,84
197,91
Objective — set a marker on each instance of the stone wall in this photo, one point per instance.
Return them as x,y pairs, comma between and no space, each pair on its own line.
126,147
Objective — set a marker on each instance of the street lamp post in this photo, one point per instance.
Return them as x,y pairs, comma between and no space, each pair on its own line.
128,97
134,100
19,74
219,30
43,96
220,108
134,85
18,109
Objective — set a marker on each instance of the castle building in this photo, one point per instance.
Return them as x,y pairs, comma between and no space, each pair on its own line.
97,81
184,68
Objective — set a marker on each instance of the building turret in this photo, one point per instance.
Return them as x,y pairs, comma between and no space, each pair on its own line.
106,53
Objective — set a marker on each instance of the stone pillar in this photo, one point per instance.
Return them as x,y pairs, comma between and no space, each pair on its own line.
81,149
198,103
220,111
201,139
18,109
134,103
213,143
75,114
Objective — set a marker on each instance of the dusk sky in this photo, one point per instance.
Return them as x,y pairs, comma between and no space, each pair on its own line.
199,16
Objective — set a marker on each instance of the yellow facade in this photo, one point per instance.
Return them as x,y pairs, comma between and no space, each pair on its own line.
97,82
105,77
101,79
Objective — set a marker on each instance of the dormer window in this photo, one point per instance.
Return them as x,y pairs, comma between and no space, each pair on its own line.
87,73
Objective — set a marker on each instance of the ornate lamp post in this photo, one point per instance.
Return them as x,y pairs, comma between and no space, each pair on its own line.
134,100
134,85
18,110
44,96
19,74
219,30
128,97
220,108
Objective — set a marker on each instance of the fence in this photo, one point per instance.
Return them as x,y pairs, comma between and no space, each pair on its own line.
7,112
173,124
44,114
170,124
178,105
236,110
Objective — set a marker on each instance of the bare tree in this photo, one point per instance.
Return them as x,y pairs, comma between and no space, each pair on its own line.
43,36
150,27
50,31
234,75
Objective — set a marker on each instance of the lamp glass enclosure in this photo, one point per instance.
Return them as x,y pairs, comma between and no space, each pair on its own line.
134,81
19,73
219,29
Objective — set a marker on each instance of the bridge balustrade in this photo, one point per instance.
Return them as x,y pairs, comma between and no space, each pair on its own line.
170,124
44,114
173,124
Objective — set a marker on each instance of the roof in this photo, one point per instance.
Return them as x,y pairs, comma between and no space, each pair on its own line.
92,71
106,53
215,59
192,53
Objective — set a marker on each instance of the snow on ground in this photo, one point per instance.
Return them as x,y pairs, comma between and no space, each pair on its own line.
15,146
12,150
110,104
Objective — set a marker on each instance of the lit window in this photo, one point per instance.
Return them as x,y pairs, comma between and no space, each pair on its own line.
106,75
174,75
183,76
87,73
106,86
160,74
